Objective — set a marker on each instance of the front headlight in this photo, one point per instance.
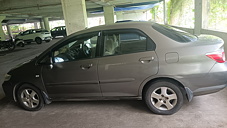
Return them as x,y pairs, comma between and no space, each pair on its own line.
7,77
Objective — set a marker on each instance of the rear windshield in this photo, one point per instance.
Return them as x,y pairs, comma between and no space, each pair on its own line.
175,34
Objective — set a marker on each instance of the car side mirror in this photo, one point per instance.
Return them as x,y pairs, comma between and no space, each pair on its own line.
47,62
50,63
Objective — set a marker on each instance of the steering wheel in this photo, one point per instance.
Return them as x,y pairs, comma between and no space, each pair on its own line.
86,50
73,53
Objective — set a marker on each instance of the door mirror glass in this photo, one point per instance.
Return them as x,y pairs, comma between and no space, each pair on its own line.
58,59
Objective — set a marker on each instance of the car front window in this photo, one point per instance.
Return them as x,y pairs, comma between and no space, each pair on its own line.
77,49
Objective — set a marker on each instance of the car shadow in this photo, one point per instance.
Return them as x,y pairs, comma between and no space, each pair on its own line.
129,105
3,102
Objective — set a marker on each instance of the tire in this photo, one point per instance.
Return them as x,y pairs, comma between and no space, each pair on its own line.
12,46
22,44
30,98
38,40
163,97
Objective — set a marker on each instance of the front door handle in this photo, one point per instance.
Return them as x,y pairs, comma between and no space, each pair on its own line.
86,67
146,59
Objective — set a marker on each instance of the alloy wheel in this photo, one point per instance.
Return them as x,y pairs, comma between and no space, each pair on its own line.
164,98
30,98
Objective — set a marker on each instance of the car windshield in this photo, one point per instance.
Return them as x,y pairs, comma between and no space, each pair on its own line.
175,34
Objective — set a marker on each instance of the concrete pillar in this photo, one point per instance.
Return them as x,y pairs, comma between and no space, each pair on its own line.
198,16
9,32
109,14
119,16
205,14
36,25
2,34
42,24
75,15
164,12
46,23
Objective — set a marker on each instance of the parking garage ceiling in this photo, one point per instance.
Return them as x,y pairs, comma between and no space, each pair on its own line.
32,10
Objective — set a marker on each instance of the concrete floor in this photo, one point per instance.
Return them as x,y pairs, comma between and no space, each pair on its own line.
208,111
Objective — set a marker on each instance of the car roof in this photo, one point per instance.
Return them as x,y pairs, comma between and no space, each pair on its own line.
59,26
34,29
120,25
131,24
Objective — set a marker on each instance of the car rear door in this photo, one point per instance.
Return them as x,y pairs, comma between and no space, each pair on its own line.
128,58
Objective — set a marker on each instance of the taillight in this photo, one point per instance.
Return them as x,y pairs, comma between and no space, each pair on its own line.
217,56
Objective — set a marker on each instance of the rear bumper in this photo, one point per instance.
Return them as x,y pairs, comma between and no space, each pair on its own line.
203,91
208,90
201,84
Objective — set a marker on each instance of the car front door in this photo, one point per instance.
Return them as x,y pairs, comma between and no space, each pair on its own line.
128,58
73,72
25,35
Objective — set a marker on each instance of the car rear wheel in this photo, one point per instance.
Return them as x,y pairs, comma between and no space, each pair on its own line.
163,97
38,40
30,98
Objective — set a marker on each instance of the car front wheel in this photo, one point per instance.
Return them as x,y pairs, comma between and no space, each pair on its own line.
30,98
163,97
38,40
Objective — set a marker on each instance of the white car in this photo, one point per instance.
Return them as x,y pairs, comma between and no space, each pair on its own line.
37,35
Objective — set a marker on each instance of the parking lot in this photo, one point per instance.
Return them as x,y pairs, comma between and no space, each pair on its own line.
204,111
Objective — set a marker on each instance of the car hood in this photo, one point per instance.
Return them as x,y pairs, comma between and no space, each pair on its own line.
22,64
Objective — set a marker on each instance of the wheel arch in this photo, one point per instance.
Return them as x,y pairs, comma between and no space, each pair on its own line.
45,96
38,37
185,91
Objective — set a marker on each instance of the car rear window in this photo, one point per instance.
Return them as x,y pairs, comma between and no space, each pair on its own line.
175,34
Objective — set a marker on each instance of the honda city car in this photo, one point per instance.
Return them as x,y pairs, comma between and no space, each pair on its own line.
159,64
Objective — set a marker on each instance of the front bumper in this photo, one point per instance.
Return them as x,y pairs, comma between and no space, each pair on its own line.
48,38
8,89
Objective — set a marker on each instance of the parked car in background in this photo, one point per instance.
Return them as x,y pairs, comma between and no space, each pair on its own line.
58,31
37,35
138,60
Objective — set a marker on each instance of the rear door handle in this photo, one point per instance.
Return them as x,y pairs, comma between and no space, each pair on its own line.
146,59
86,67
